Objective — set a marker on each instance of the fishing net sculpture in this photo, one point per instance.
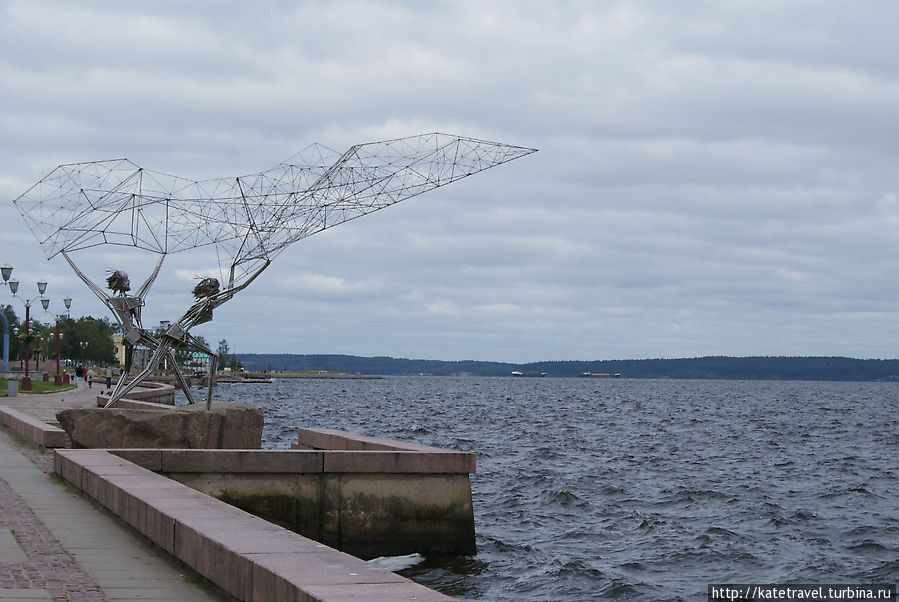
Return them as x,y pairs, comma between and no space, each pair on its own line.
248,220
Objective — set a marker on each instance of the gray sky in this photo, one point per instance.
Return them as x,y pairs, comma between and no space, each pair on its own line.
713,177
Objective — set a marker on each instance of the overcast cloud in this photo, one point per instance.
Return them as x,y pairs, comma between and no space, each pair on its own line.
712,177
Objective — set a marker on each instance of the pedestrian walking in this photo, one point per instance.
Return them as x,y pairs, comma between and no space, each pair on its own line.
109,378
90,377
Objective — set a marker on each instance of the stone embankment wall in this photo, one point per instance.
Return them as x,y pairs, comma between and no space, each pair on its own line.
149,391
249,558
396,499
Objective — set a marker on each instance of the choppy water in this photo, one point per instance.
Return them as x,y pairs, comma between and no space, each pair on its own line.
637,489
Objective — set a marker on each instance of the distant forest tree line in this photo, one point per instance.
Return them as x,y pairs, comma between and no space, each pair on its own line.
717,367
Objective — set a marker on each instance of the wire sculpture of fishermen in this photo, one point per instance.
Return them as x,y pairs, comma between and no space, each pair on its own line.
248,220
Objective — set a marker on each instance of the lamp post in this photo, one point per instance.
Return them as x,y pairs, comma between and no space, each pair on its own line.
5,272
14,289
57,380
4,366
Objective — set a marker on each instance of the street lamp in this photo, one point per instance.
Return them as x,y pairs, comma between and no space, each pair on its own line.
14,289
15,333
57,380
5,273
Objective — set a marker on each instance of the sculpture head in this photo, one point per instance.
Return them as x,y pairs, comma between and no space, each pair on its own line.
118,282
207,287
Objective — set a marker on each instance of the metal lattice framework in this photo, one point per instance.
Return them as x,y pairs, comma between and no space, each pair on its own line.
248,220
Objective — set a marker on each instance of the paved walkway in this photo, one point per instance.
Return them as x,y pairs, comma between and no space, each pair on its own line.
57,545
44,407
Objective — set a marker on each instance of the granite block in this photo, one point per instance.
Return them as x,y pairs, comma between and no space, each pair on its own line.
241,461
150,459
398,462
67,469
373,592
202,549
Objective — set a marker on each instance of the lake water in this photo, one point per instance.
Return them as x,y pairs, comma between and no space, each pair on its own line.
636,489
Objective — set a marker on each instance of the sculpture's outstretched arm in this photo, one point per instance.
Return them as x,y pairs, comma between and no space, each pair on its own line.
201,311
90,284
125,309
100,292
146,285
233,290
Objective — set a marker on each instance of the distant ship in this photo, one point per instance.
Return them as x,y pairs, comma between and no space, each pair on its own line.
530,374
598,375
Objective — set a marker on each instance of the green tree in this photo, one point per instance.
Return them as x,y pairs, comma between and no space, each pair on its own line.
224,353
226,358
95,333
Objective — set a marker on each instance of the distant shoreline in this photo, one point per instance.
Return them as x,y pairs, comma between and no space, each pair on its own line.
712,367
265,376
322,375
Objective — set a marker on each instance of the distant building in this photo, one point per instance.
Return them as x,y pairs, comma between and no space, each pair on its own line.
199,362
139,356
196,362
118,348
